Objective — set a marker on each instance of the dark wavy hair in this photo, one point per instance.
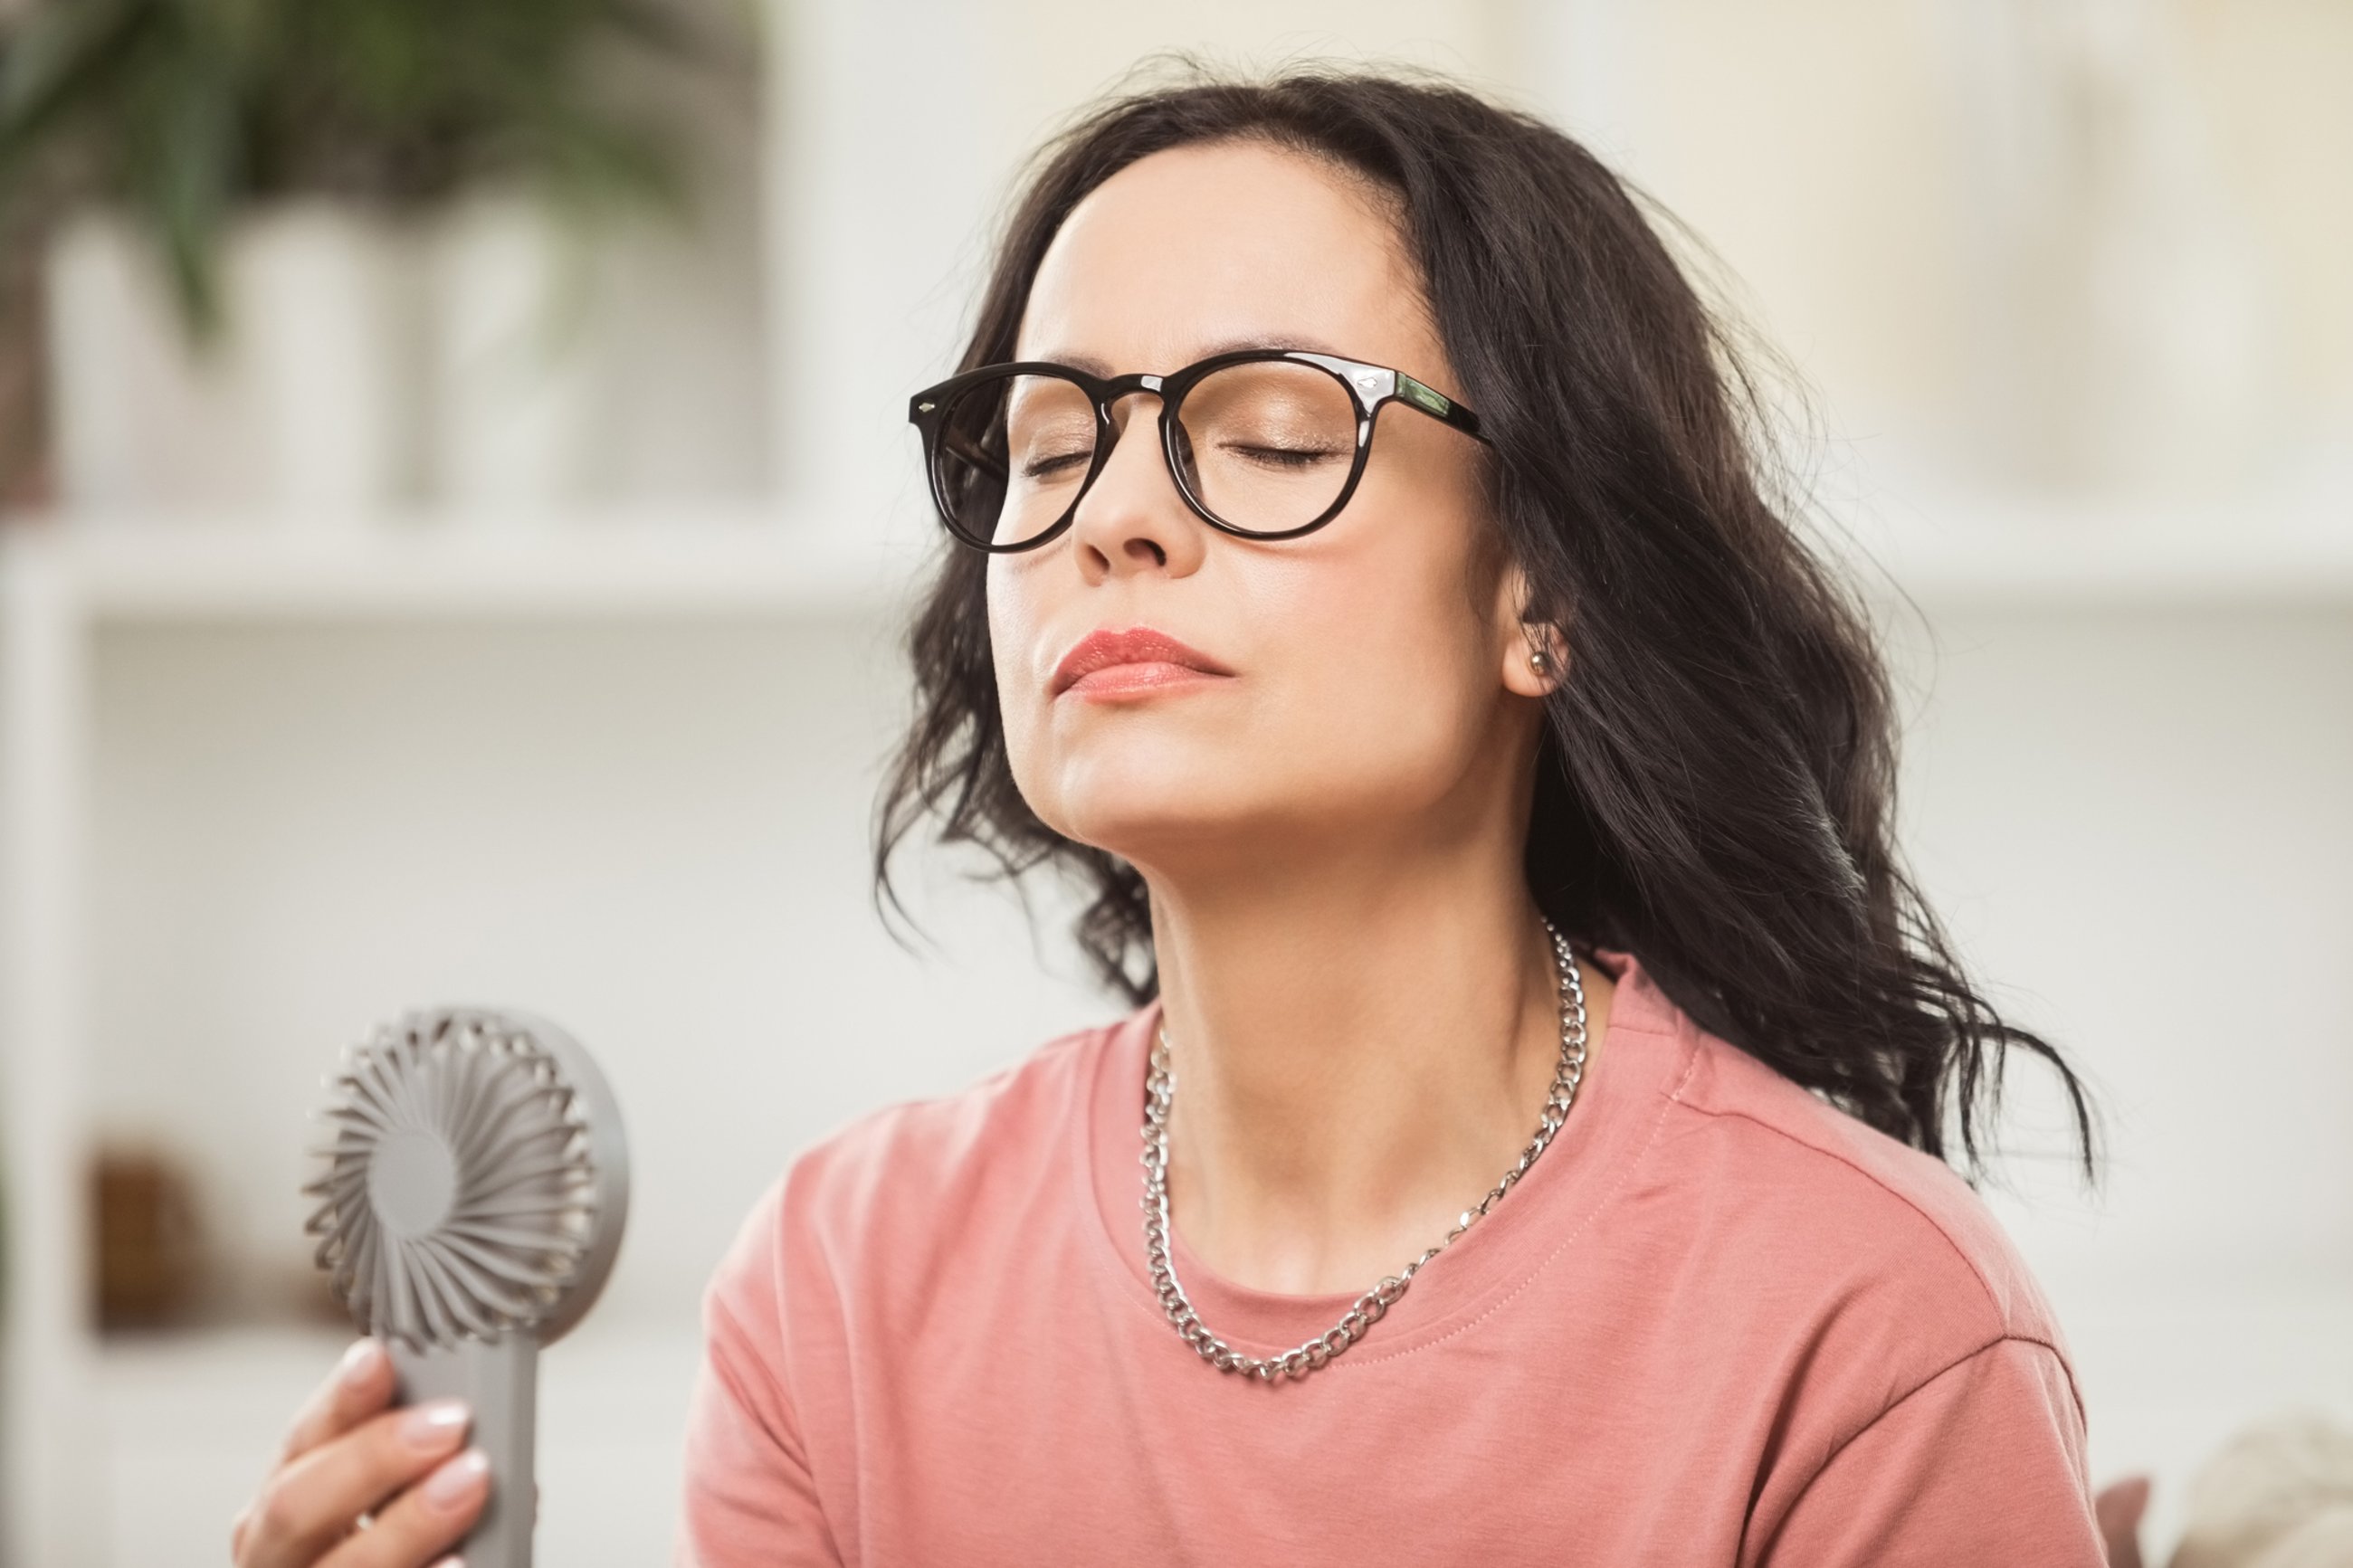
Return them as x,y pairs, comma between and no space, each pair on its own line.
1714,789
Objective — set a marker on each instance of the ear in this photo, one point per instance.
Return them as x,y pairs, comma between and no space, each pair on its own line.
1527,643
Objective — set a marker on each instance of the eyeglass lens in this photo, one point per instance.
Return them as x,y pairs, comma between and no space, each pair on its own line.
1265,446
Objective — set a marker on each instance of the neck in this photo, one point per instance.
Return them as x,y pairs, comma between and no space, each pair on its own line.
1360,1049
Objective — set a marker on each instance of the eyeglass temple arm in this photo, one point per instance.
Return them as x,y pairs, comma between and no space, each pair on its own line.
1437,405
972,452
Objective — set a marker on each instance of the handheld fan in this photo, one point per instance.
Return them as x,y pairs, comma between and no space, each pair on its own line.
476,1189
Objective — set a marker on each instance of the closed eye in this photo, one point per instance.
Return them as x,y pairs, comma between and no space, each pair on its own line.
1047,467
1284,457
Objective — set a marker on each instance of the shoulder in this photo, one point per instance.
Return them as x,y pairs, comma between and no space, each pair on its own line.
1824,1235
923,1167
1843,1187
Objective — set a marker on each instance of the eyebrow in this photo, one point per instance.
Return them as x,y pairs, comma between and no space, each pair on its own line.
1095,366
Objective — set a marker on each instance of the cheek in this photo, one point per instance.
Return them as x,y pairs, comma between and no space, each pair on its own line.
1388,687
1011,616
1022,599
1386,679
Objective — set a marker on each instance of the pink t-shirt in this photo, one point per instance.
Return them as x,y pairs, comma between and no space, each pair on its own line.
1719,1323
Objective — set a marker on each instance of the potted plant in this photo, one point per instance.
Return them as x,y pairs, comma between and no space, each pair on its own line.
256,175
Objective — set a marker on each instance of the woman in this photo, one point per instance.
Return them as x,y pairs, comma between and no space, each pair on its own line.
1527,1143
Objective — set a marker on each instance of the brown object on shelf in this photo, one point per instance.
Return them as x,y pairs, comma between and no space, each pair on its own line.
296,1290
149,1255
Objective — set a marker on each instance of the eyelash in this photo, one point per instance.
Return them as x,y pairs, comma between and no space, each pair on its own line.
1049,467
1290,457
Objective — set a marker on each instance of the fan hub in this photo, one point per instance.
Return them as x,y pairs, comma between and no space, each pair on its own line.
413,1183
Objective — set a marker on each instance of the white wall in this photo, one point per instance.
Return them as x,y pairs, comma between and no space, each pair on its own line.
2132,820
655,836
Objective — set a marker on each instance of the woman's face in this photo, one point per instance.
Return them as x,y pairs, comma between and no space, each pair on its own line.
1375,684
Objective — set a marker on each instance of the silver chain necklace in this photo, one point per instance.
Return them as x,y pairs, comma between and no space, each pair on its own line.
1369,1308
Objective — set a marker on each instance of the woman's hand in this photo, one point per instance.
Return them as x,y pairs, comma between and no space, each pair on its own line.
347,1455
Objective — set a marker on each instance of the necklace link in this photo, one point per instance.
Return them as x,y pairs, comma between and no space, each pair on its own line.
1159,1090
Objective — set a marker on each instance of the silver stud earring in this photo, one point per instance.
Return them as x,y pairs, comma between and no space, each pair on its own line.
1539,663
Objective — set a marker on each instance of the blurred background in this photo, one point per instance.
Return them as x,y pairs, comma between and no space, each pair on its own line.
458,513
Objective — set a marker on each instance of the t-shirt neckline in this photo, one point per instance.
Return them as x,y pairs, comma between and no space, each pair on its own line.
1645,1047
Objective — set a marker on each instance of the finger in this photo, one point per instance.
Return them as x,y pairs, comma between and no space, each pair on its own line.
316,1500
357,1388
423,1521
360,1385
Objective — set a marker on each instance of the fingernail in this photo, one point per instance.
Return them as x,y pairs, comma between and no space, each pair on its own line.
358,1362
454,1483
435,1424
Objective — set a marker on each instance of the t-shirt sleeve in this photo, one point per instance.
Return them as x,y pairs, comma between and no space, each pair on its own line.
749,1500
1983,1463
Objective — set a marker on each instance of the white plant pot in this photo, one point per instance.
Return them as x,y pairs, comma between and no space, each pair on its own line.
305,407
324,304
515,376
143,422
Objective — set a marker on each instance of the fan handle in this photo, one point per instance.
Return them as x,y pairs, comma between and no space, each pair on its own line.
499,1379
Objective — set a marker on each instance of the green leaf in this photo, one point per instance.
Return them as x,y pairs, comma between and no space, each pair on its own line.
192,108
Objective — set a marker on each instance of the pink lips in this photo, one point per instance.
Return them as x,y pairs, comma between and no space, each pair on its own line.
1137,659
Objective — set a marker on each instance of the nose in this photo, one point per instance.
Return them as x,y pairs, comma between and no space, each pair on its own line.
1132,518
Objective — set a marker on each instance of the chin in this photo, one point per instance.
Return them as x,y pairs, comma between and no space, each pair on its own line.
1225,816
1133,816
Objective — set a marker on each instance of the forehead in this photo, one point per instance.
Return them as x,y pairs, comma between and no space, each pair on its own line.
1200,249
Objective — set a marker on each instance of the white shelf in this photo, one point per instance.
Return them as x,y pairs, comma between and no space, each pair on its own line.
2285,543
2279,548
2096,567
197,569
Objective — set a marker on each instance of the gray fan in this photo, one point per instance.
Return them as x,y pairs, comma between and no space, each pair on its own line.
476,1190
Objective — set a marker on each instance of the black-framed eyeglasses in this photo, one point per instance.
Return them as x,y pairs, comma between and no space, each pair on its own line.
1263,443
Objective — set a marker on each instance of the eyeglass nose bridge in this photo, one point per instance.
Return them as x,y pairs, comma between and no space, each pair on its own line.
1108,395
1109,392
